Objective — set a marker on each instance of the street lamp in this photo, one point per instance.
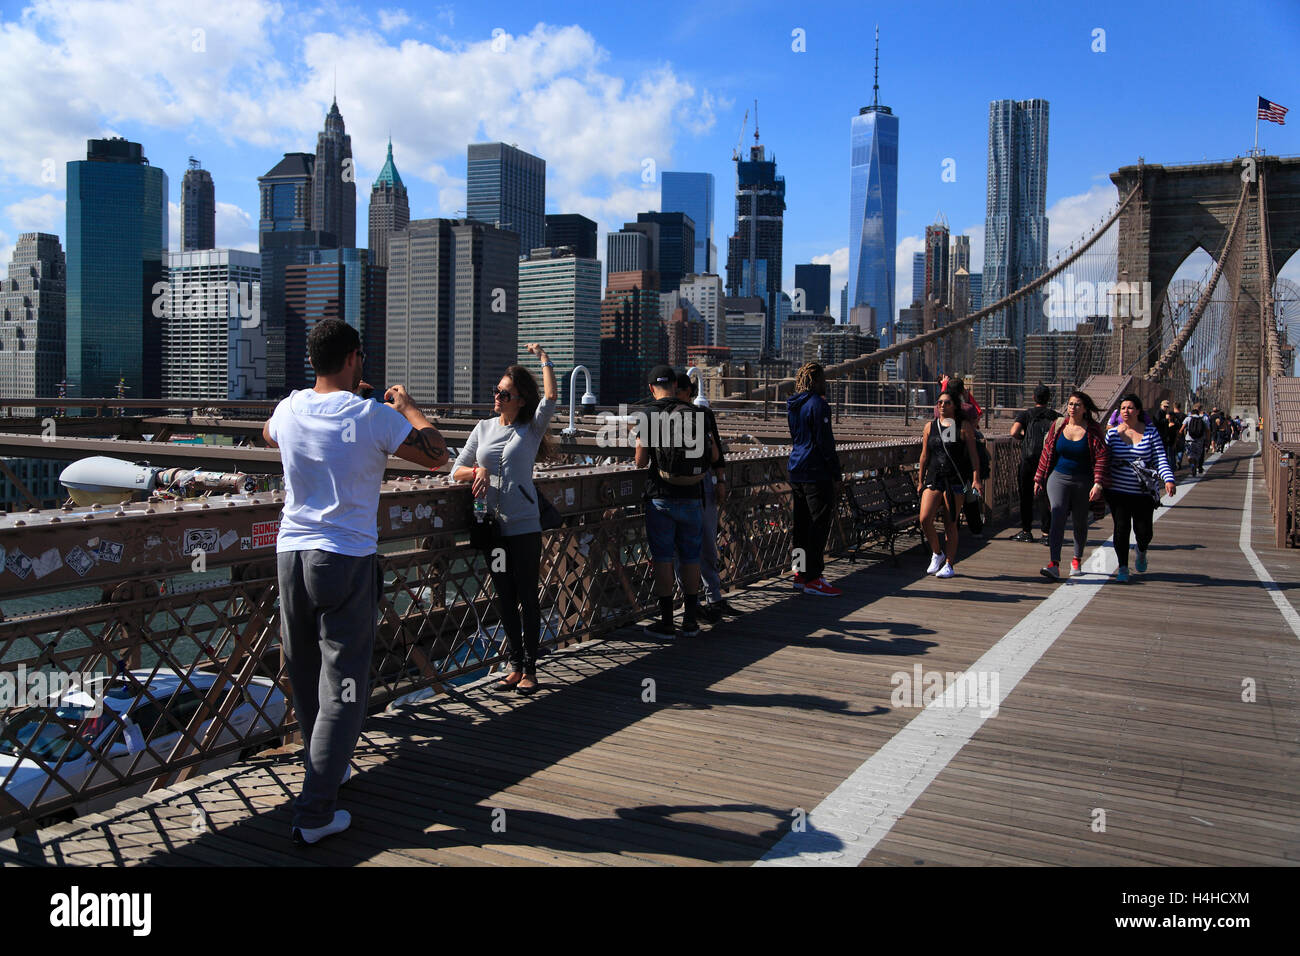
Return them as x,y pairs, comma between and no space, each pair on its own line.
700,400
588,399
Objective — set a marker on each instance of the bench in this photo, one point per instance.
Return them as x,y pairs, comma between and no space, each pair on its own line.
882,511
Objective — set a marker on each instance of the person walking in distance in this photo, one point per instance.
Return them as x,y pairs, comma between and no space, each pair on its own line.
714,487
498,459
334,446
675,445
1073,467
1030,428
1196,430
1131,501
947,467
815,475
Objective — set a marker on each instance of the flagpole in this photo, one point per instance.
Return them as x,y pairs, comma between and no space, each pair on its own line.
1255,151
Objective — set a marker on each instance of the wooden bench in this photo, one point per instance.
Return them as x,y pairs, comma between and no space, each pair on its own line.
882,513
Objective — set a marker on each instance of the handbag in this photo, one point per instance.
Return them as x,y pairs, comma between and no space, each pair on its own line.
1148,478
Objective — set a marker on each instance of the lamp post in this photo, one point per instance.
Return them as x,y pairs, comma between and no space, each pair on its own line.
588,399
694,372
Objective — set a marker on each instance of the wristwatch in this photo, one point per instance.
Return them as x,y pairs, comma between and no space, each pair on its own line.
548,364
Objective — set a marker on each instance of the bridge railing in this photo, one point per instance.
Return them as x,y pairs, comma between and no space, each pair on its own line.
1280,445
188,649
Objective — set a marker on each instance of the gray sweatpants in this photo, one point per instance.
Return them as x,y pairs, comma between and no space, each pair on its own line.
1068,496
328,605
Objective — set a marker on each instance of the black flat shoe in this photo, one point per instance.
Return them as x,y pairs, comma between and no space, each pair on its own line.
510,682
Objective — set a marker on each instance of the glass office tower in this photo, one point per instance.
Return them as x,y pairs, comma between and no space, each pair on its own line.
692,193
506,188
1015,224
873,213
117,249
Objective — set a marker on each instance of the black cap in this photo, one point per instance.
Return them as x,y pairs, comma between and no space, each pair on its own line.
663,376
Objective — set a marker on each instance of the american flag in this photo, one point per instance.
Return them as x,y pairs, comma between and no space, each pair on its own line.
1272,112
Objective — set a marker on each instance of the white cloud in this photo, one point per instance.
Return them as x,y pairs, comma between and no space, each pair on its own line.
392,19
235,228
43,213
1074,217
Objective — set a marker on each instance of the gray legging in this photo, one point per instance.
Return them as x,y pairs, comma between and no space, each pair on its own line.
1068,494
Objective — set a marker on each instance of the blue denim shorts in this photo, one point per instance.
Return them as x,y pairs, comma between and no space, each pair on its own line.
675,527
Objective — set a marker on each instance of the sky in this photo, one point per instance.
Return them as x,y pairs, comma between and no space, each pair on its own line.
610,95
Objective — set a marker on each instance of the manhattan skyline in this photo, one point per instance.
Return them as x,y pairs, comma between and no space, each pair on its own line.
609,105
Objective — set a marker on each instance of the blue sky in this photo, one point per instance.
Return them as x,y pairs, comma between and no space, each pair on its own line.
598,90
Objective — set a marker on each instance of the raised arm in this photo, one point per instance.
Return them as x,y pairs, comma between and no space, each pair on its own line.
549,389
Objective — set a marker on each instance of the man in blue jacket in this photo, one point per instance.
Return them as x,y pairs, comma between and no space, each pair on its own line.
814,478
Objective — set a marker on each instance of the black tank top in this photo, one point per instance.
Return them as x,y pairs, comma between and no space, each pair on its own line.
946,448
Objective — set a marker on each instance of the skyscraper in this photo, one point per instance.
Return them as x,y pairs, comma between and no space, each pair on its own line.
117,248
570,229
629,251
918,277
313,292
33,319
506,188
630,336
286,236
675,246
389,209
959,259
1015,225
873,207
213,349
702,295
333,185
692,193
754,251
937,276
815,280
198,209
559,306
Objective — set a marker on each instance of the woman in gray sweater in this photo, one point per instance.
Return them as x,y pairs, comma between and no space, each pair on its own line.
498,459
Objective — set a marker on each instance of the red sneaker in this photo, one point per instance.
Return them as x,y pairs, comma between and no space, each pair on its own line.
1074,565
822,587
799,583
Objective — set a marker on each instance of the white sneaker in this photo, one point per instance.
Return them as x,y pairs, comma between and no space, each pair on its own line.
347,774
937,561
945,572
342,820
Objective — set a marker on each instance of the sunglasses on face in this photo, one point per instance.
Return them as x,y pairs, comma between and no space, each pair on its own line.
502,394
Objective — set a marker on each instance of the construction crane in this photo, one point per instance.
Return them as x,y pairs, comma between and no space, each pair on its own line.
735,153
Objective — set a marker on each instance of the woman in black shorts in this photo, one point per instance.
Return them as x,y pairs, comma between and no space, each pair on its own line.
947,453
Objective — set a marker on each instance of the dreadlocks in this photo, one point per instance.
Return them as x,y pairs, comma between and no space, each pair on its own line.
808,376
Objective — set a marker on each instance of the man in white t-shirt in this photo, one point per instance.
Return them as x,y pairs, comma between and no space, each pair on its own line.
334,445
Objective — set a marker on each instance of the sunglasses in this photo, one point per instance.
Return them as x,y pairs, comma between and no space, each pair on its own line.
502,394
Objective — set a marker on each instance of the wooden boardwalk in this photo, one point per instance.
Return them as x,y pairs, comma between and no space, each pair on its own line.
707,752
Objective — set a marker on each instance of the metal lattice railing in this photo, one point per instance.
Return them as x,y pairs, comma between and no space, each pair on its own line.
194,677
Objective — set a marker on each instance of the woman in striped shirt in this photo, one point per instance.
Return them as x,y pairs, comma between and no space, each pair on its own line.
1131,505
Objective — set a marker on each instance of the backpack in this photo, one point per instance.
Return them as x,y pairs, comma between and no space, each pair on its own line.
1035,436
678,431
1196,428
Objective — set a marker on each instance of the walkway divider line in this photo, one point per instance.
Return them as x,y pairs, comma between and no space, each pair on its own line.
1243,541
849,823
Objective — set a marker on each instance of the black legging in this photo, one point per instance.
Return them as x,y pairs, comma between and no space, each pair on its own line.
1131,512
516,586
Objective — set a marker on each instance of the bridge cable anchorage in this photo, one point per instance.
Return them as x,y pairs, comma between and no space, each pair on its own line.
1161,368
774,389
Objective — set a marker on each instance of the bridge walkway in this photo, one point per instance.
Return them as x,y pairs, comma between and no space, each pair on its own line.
1120,737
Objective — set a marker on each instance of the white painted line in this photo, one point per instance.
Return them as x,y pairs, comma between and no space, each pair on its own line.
1288,612
860,812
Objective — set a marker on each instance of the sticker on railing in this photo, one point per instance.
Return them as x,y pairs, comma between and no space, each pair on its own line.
19,564
109,551
79,561
204,539
47,563
264,533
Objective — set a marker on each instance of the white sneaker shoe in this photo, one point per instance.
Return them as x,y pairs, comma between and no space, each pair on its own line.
342,820
347,774
945,572
937,561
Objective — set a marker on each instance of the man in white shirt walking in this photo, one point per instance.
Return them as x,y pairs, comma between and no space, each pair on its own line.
334,446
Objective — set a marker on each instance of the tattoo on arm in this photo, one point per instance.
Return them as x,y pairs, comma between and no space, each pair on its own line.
427,441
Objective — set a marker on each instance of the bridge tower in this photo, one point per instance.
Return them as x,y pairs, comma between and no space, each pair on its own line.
1182,208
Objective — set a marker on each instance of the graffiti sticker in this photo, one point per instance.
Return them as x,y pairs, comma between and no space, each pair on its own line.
79,561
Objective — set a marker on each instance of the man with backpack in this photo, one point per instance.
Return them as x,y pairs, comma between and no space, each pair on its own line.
1031,427
674,442
1196,430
